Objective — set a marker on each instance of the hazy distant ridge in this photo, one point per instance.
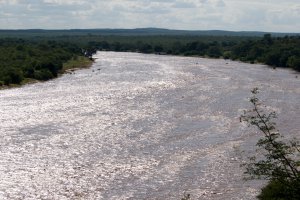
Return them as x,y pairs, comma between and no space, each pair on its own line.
140,31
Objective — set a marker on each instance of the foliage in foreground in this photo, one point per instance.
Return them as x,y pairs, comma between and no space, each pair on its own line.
279,162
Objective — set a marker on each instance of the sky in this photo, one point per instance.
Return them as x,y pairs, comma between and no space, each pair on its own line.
234,15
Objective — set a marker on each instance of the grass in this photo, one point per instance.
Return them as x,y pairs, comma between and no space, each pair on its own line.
71,65
77,63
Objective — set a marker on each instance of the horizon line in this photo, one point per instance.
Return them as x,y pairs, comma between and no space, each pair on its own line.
145,28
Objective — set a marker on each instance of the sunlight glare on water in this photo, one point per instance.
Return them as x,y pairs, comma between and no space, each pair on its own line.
137,126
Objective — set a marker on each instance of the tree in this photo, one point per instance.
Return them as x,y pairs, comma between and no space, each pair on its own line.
273,58
267,39
280,160
158,48
214,52
294,62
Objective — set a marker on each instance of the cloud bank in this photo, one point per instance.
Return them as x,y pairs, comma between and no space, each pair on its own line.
258,15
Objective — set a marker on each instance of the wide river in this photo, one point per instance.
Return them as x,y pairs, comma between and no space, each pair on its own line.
137,126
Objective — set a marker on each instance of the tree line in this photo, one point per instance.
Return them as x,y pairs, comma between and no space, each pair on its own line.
277,52
42,58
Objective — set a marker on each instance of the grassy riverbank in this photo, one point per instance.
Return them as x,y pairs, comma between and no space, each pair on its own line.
41,58
78,62
73,64
25,61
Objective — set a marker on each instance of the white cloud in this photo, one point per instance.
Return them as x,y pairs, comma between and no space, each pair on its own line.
64,2
263,15
11,2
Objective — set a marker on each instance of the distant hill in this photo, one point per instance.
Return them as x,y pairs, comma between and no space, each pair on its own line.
137,32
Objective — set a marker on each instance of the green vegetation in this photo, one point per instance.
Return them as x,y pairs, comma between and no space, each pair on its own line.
23,61
277,52
279,161
77,62
42,55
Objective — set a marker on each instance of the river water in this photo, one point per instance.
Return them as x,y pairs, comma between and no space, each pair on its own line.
137,126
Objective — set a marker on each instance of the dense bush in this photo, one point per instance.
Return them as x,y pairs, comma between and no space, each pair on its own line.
42,58
277,52
276,190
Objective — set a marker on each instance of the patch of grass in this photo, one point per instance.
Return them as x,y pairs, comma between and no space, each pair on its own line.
24,82
28,81
77,63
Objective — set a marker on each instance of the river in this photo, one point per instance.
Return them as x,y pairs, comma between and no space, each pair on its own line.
138,126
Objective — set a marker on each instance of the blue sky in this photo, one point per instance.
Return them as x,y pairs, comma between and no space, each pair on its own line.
237,15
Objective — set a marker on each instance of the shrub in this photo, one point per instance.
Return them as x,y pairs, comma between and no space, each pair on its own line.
43,75
280,160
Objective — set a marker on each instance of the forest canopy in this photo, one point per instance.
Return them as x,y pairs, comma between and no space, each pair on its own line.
42,57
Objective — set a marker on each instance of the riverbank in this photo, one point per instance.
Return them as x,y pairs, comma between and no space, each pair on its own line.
143,127
80,62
